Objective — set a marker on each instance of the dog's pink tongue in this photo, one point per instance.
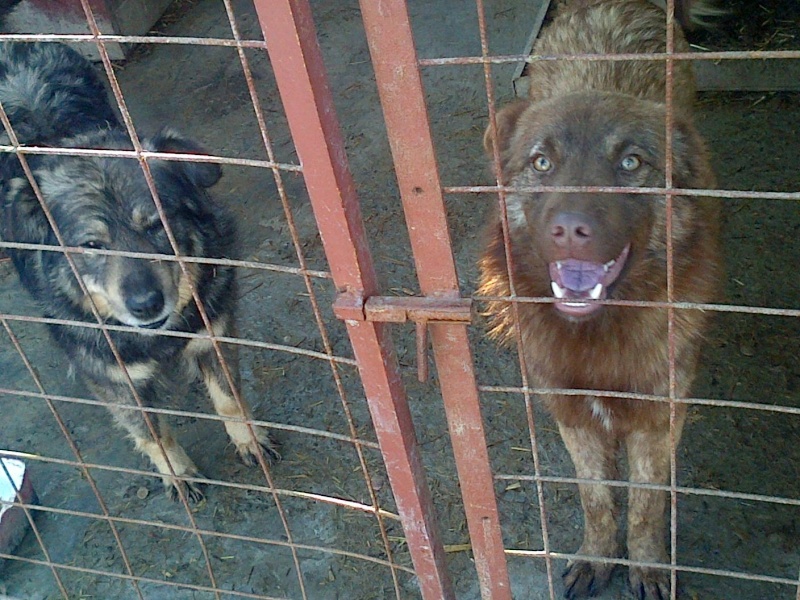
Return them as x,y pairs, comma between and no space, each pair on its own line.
579,275
576,281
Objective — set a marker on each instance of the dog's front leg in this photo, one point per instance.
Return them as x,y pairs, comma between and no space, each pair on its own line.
593,453
166,454
249,444
649,462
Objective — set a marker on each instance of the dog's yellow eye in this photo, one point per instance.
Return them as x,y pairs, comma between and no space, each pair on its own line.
630,163
541,163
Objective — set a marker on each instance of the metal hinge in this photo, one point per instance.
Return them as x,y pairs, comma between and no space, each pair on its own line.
421,310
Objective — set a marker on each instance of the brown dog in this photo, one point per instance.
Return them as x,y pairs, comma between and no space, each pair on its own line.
603,123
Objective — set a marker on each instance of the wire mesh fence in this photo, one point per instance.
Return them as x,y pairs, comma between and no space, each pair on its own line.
126,566
466,490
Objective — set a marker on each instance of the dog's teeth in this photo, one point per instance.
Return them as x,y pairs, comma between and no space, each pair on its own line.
596,291
608,265
558,265
557,291
576,304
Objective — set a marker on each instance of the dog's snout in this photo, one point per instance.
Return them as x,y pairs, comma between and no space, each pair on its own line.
143,296
569,229
147,303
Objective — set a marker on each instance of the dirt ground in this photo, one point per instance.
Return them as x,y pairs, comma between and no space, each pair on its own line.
755,139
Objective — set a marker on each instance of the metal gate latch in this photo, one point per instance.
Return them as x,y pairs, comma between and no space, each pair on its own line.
396,309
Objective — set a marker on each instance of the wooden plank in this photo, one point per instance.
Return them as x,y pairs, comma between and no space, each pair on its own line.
766,75
729,75
118,17
540,11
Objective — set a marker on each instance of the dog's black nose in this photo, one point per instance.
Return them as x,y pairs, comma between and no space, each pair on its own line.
143,296
145,304
569,229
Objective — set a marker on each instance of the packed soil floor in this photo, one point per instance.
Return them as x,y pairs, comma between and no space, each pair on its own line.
201,91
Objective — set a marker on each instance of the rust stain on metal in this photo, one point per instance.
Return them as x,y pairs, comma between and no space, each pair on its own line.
396,309
302,82
352,307
417,309
422,351
402,98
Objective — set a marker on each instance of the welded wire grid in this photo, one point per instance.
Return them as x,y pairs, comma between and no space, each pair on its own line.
550,548
137,575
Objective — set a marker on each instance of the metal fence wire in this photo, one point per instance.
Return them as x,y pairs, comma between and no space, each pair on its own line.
455,485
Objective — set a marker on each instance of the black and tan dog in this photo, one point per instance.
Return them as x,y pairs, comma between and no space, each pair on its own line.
53,97
603,123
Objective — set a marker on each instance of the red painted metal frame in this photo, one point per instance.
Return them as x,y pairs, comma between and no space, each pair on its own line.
297,62
394,58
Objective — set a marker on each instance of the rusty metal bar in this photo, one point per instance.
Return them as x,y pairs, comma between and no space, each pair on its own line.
655,56
569,189
302,83
420,310
433,310
229,262
703,56
147,154
669,66
394,58
314,302
393,309
530,418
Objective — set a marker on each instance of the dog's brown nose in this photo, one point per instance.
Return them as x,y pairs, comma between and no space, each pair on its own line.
571,230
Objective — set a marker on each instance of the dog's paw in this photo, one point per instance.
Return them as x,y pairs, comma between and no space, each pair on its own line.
193,491
649,584
248,452
583,579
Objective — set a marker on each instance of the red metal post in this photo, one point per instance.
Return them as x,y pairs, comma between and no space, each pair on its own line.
297,62
399,83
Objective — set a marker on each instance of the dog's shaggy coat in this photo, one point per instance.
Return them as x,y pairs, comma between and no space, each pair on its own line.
603,123
53,97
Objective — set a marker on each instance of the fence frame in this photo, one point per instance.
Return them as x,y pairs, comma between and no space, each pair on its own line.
302,82
397,72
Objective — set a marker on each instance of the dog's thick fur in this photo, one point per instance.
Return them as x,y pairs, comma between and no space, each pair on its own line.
53,97
604,124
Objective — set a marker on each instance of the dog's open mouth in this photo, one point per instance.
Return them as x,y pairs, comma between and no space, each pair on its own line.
575,281
155,324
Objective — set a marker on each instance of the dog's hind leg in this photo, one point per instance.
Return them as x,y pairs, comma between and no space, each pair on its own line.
649,462
119,401
593,453
250,441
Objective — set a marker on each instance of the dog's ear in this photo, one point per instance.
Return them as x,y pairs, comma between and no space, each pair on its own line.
690,156
202,174
506,121
24,220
